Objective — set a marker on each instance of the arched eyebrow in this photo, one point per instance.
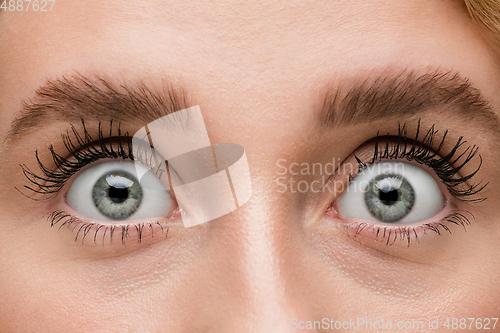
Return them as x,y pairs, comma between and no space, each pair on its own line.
386,97
74,98
407,95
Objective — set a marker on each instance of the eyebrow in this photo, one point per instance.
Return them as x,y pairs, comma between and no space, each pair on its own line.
406,95
385,97
77,97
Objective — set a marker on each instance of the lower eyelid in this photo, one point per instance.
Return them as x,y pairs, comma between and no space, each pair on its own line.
92,233
376,234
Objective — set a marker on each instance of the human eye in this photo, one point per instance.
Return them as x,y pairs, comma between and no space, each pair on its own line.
392,192
111,191
407,189
99,189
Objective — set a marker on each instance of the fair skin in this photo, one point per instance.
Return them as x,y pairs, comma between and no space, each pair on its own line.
259,72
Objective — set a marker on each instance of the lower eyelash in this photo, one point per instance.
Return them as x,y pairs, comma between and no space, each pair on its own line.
391,234
83,228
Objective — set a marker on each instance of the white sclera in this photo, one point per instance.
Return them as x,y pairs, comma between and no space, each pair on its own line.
429,199
156,199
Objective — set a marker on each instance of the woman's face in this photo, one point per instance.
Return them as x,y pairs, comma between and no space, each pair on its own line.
309,89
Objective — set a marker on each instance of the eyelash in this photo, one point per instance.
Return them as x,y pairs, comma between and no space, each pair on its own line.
403,233
51,182
420,152
86,150
398,147
83,228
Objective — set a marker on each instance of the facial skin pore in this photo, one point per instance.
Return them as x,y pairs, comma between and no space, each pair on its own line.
260,73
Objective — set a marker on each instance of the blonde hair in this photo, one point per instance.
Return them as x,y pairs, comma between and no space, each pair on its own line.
487,13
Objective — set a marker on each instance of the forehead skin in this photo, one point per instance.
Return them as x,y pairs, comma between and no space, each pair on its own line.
264,52
257,70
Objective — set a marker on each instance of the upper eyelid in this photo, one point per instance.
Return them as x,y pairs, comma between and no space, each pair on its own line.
79,147
388,146
444,164
78,144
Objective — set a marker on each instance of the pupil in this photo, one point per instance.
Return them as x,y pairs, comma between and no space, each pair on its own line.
389,197
118,195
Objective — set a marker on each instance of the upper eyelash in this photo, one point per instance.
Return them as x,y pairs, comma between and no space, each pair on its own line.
52,181
420,152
